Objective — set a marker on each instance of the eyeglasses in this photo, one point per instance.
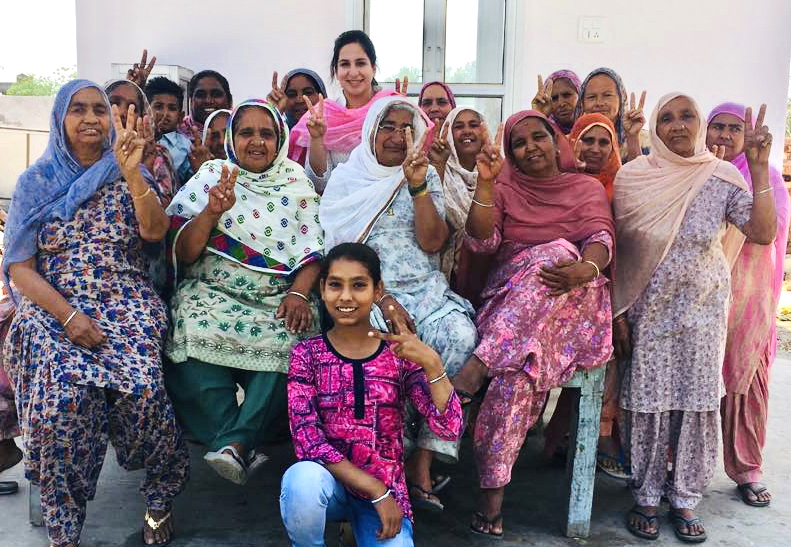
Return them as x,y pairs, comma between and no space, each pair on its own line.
389,129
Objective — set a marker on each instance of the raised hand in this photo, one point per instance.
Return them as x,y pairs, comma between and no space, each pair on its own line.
489,160
222,196
407,345
439,151
634,119
578,161
317,126
401,89
416,162
277,97
757,138
543,99
199,153
129,143
140,71
718,151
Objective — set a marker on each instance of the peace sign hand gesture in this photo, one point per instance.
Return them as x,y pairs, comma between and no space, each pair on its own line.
634,120
407,345
129,142
222,195
543,99
439,151
401,90
139,72
199,153
489,160
277,97
317,126
757,139
416,162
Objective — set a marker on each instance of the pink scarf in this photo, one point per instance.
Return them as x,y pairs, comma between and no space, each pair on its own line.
344,127
756,283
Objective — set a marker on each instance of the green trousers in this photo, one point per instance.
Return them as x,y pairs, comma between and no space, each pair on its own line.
204,396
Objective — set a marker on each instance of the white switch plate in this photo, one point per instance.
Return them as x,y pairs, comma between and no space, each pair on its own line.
591,30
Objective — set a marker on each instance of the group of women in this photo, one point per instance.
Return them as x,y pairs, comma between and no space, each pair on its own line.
509,260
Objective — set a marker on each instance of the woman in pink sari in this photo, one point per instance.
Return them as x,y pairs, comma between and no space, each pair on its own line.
326,134
756,283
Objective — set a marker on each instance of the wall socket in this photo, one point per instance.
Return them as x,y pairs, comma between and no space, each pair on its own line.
591,30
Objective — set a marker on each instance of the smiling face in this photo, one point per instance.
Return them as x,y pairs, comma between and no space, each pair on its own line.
300,86
595,146
436,104
601,96
255,139
354,71
564,99
677,126
87,122
215,136
207,97
390,143
726,131
467,132
349,292
533,148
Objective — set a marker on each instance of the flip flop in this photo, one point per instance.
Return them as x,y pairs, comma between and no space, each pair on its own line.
490,522
8,487
678,520
613,467
255,460
649,519
18,455
470,397
439,482
229,466
748,487
424,501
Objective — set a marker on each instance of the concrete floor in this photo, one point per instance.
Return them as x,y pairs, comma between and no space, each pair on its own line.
213,512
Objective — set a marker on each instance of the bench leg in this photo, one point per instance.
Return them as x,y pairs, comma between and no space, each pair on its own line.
34,505
583,443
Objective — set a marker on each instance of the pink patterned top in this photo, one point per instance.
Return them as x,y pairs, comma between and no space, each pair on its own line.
354,409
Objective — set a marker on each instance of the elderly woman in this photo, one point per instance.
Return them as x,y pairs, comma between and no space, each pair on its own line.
247,243
671,299
84,349
213,136
756,283
327,137
546,308
557,98
603,92
390,197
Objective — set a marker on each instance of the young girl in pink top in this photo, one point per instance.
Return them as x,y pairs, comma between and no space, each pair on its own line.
347,391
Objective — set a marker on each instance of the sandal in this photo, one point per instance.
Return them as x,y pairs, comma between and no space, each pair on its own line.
439,482
255,460
229,466
678,521
425,500
648,519
755,488
8,487
616,468
16,458
491,522
155,525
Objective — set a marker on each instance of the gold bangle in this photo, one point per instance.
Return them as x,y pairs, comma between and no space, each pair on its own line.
592,263
420,194
141,196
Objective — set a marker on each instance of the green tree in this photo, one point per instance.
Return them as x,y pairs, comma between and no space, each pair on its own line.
463,74
30,84
415,74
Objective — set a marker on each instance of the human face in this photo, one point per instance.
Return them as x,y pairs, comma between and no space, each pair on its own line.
87,121
167,114
215,136
300,86
207,97
354,71
564,99
677,126
436,104
122,96
726,131
467,133
349,292
255,140
595,146
533,149
601,95
390,142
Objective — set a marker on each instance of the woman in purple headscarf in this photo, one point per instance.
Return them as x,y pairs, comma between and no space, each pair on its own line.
557,98
756,283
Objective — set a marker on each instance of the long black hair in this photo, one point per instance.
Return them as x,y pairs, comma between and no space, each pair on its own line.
353,37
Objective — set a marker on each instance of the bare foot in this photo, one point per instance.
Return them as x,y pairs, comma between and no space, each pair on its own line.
489,519
470,378
162,533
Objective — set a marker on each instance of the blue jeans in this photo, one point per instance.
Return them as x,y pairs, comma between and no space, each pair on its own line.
310,496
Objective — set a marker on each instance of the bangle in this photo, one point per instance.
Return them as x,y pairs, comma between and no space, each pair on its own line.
381,498
385,295
66,322
438,378
476,202
420,194
299,294
417,189
765,190
141,196
592,263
